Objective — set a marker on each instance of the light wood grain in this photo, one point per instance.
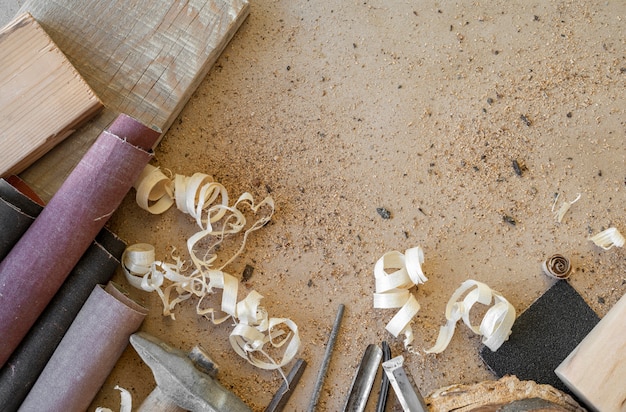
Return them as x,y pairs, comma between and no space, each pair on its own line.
43,99
596,370
142,57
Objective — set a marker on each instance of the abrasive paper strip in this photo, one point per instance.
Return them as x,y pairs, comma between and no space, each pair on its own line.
21,371
87,353
17,213
38,264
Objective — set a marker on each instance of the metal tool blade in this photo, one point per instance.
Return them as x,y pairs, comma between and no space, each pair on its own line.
284,392
381,405
410,399
364,379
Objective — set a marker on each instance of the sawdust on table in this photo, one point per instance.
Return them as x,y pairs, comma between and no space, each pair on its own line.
338,108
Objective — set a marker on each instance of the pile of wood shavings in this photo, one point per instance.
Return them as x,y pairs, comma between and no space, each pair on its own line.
198,197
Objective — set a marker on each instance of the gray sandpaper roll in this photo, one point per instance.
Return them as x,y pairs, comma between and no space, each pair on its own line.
87,353
21,371
39,263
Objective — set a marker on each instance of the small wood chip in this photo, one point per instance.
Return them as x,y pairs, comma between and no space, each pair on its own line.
508,219
384,213
526,120
247,273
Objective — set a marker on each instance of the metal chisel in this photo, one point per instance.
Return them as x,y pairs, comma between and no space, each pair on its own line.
410,399
364,379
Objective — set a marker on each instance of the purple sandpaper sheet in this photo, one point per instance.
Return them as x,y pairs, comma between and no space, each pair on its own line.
44,256
22,369
87,354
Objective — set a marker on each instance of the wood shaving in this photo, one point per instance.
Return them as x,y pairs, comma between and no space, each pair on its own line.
608,238
395,273
495,326
126,401
557,266
559,214
207,202
392,289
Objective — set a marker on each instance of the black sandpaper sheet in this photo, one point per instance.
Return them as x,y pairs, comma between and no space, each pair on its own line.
543,335
17,212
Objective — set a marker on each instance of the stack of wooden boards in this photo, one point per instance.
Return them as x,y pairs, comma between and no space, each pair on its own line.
142,58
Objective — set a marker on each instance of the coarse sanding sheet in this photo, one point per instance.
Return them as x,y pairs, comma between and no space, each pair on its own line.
17,213
543,335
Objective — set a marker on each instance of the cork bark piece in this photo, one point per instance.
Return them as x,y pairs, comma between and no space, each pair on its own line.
494,395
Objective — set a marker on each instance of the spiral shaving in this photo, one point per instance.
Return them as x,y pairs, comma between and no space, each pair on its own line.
557,266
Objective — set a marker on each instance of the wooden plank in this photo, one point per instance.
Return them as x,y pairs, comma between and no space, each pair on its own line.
43,99
142,57
596,370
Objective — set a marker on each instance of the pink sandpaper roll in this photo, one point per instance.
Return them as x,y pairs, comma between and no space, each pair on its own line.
87,353
40,261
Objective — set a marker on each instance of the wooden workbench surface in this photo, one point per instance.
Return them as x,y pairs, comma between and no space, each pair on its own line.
338,108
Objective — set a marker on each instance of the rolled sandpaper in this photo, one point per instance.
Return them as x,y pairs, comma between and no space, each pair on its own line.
87,353
42,259
21,371
17,213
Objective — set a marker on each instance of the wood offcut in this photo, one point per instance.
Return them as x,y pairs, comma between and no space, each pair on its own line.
43,99
596,370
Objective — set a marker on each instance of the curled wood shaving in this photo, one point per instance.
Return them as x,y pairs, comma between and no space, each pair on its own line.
395,273
126,402
559,214
608,238
495,326
206,201
557,266
154,191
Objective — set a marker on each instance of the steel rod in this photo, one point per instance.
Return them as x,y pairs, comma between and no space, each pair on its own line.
329,351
